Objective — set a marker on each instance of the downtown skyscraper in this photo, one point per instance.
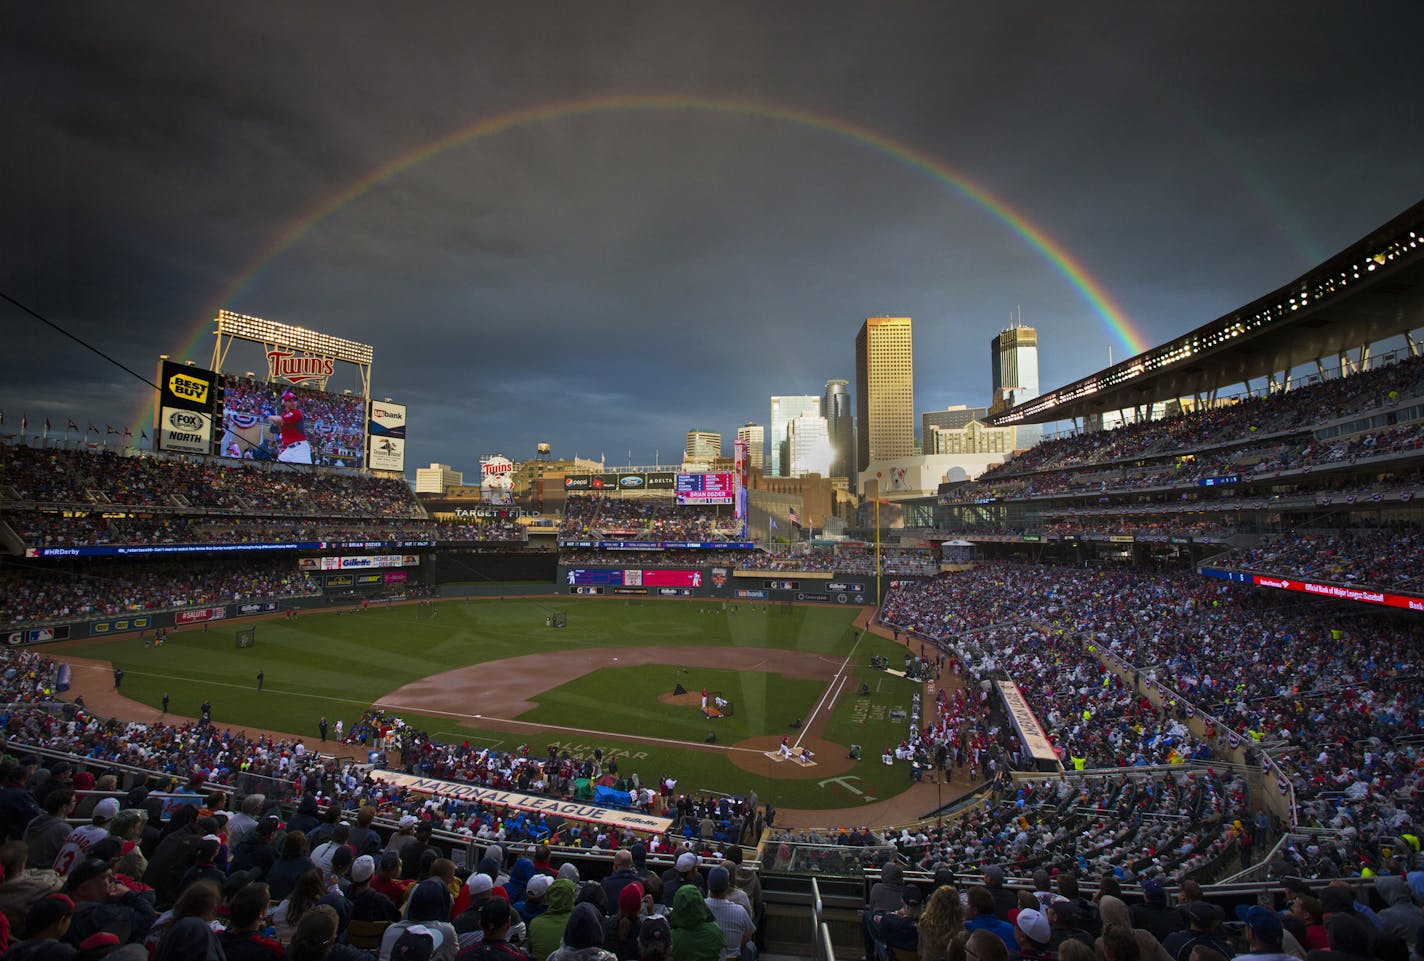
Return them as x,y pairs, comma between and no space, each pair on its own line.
884,391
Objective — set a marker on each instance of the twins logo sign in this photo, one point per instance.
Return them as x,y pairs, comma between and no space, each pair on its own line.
298,368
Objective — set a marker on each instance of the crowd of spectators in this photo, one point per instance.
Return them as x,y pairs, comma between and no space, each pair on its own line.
37,477
1266,671
54,529
481,529
850,558
588,516
1129,826
668,558
1390,558
1143,527
1241,465
39,594
1092,716
1254,418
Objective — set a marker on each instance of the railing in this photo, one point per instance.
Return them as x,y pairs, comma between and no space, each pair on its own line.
820,939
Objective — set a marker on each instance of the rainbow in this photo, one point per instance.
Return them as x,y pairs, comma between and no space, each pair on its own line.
1091,290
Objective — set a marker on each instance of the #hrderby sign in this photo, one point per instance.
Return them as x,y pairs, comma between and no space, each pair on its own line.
576,810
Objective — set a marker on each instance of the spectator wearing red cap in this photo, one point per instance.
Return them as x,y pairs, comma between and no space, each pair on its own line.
48,919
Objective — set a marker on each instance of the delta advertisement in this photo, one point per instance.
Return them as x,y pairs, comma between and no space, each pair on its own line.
385,437
1339,591
185,408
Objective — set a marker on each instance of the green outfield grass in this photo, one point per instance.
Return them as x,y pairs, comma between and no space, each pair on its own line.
338,664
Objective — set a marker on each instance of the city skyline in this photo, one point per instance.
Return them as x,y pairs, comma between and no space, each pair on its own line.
593,229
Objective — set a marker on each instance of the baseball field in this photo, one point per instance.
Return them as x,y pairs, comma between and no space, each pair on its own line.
494,672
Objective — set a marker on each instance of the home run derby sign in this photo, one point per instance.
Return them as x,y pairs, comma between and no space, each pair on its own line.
577,810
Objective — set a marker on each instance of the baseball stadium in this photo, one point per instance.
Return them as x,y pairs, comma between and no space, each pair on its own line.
1150,683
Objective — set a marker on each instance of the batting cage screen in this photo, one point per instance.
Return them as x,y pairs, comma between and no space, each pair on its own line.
717,705
246,636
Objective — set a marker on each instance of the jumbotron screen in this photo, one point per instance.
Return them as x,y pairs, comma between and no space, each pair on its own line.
294,425
719,488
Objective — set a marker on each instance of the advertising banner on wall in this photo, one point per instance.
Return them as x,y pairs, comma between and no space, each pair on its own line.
632,577
199,615
385,436
186,396
576,810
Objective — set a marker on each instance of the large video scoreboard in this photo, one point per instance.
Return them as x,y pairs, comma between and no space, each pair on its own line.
719,488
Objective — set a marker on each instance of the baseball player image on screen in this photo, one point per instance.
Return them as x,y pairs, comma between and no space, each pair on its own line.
295,447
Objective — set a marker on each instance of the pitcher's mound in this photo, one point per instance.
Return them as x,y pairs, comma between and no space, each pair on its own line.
830,758
690,699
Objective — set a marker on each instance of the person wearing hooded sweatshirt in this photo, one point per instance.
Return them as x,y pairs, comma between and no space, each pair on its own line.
547,930
886,897
695,934
173,854
307,818
1400,919
887,894
519,876
428,905
23,886
190,939
583,937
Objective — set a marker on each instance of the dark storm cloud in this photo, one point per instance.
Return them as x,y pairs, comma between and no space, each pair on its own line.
606,281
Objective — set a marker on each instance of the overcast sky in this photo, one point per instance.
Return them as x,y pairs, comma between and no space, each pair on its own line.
605,278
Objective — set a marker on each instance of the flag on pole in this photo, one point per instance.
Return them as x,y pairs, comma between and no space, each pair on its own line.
774,525
127,432
92,429
72,427
24,422
109,429
143,434
794,517
46,425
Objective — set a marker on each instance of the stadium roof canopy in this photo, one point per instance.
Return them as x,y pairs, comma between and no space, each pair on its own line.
1372,290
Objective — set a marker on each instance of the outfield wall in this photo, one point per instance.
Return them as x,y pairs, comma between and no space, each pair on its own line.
187,619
